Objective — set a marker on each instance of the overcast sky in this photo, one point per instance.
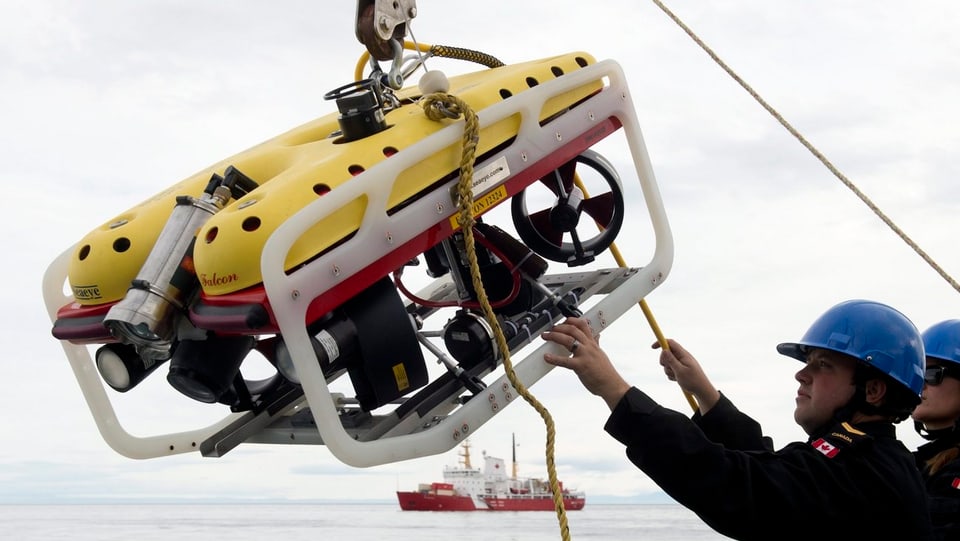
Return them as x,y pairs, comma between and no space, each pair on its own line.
106,103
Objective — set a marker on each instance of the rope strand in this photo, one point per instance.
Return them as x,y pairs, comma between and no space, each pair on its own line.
813,150
437,106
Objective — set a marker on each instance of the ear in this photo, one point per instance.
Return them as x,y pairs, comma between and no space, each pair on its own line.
876,390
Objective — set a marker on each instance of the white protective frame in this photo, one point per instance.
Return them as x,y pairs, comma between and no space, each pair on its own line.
290,295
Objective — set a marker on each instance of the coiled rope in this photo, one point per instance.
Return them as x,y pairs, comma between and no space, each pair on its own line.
813,150
439,106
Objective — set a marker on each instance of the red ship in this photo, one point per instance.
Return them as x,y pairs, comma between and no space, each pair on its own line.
465,488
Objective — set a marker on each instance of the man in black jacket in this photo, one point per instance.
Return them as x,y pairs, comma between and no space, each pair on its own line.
852,479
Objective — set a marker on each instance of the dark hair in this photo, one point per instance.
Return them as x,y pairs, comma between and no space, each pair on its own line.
898,402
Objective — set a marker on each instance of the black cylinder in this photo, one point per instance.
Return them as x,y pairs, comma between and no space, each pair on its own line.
360,115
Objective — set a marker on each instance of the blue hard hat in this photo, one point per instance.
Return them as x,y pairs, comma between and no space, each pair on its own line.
871,332
942,341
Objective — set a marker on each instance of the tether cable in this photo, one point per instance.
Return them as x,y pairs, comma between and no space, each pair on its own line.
647,313
439,106
442,51
876,210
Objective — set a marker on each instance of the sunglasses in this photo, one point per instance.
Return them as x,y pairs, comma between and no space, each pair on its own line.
934,375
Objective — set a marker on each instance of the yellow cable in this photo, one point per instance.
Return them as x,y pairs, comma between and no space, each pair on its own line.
432,103
362,61
643,302
443,51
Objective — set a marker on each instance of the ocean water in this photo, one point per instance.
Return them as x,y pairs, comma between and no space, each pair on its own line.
340,522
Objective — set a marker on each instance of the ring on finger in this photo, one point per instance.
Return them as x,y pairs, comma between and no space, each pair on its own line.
574,346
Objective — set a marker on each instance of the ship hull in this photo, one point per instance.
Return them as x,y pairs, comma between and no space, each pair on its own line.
532,504
418,501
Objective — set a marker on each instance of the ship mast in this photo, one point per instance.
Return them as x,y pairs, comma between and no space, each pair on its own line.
465,454
513,441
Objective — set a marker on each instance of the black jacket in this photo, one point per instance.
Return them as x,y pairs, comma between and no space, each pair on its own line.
943,487
845,483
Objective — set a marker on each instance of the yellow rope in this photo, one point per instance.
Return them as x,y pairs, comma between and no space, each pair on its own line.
661,339
435,105
836,172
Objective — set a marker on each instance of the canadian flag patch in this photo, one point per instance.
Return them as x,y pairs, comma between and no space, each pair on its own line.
955,483
827,449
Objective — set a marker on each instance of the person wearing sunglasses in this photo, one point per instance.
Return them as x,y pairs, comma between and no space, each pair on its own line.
937,419
852,478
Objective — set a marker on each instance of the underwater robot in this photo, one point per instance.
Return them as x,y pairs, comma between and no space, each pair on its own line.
296,249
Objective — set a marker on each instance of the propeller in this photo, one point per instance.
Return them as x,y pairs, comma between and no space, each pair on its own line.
546,230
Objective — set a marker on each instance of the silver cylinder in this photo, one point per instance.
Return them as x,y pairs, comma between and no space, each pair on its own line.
146,316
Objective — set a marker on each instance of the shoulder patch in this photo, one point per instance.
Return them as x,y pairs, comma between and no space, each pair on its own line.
840,437
825,448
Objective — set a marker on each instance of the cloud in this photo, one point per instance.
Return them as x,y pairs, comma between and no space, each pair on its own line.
105,106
